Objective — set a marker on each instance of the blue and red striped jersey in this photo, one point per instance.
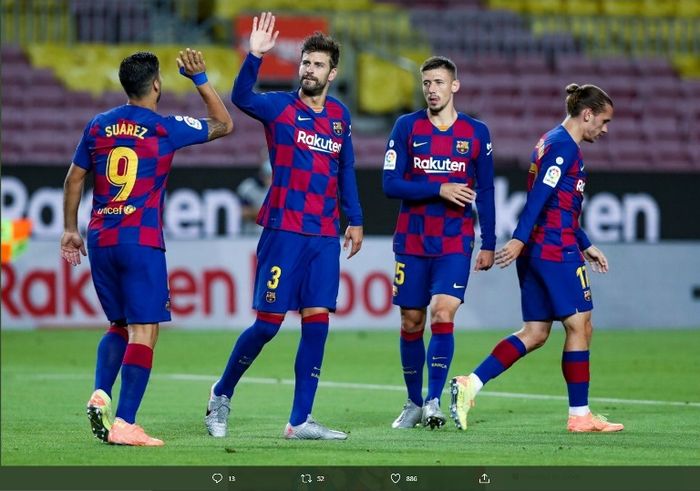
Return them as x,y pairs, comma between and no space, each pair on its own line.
311,155
130,151
549,223
419,158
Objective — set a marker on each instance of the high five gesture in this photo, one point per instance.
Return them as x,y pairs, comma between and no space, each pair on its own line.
263,35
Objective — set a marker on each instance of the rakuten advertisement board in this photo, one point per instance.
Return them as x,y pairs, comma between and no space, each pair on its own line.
211,286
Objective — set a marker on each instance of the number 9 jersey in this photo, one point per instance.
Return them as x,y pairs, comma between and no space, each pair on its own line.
130,150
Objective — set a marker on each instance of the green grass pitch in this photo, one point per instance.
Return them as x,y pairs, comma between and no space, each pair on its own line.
647,380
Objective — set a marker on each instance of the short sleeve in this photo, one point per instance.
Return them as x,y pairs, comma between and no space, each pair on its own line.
186,130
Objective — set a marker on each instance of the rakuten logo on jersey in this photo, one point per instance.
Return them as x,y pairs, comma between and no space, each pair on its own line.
439,166
318,143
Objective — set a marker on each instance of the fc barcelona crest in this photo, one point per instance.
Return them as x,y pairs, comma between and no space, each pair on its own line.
338,127
587,295
270,297
462,146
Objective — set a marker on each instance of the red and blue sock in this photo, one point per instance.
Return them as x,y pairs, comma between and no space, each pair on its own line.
248,346
110,354
507,352
440,351
136,369
576,369
412,351
307,366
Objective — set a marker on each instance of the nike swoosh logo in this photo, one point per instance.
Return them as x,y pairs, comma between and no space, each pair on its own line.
439,358
416,144
455,285
299,118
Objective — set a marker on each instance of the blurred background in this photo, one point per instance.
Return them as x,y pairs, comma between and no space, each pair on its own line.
514,57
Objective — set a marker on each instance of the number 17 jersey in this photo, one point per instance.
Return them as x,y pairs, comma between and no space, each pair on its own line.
130,151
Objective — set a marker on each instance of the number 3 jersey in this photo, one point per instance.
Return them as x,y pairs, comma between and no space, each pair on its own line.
130,151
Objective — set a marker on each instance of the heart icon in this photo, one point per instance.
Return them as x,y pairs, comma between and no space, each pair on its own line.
395,477
217,478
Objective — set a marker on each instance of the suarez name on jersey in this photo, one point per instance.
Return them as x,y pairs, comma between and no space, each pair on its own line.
130,150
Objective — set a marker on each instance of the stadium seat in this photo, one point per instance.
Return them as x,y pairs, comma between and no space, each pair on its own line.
667,88
47,97
14,118
16,75
671,156
576,67
514,5
688,9
617,66
114,99
655,8
13,55
597,157
524,65
544,7
14,96
629,156
46,120
625,129
492,65
664,107
624,88
661,128
632,108
384,87
687,65
621,7
540,84
655,67
582,7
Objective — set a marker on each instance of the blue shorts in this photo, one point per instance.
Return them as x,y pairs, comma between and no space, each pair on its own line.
552,290
296,271
131,282
417,278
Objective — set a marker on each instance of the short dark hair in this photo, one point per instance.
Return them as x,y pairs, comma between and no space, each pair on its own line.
435,62
326,44
137,72
586,96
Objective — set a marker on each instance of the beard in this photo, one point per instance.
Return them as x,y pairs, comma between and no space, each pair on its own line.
312,87
436,109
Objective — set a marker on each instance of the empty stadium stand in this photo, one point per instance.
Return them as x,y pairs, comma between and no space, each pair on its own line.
513,68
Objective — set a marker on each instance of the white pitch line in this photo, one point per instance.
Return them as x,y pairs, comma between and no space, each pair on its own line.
351,385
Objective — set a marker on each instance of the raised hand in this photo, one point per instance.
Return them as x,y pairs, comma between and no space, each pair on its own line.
191,61
263,35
